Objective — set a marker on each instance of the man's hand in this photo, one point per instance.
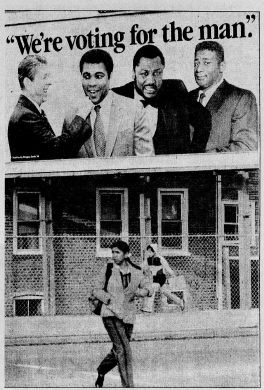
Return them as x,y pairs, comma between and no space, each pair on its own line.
85,108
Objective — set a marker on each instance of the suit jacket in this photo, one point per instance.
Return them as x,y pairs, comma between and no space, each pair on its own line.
31,136
179,115
234,119
122,303
127,134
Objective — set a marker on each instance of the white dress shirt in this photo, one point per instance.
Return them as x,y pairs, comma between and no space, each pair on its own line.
209,92
151,115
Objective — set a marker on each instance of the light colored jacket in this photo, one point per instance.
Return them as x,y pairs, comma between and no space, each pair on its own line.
122,300
128,133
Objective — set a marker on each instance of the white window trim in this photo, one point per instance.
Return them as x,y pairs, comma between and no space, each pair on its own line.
106,252
17,251
28,296
185,210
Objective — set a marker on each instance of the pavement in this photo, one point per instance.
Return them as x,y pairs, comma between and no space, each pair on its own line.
229,362
157,326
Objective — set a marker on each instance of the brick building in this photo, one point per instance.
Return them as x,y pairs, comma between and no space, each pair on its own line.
62,216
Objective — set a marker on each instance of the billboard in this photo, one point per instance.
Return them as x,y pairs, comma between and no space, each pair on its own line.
177,123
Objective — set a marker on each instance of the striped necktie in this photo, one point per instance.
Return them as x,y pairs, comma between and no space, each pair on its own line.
99,135
201,97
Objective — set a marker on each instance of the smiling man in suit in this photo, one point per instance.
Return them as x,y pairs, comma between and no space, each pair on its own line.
118,130
178,123
234,110
29,132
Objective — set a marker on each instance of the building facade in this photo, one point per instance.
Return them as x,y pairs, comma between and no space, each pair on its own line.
61,218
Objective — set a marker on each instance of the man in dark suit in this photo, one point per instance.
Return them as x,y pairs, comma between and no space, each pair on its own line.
234,110
169,109
29,132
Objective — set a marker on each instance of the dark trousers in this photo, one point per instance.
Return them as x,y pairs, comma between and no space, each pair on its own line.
121,354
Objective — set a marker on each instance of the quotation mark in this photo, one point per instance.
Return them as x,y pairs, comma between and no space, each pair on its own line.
10,40
252,18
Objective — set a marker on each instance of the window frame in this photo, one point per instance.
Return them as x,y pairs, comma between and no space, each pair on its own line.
184,211
25,296
106,252
252,205
228,203
41,207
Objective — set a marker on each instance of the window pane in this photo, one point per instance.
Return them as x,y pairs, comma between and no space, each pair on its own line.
171,207
28,229
28,207
232,230
231,213
171,228
171,235
110,207
21,307
113,229
34,307
28,243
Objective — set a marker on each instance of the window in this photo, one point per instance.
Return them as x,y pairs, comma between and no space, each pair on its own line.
173,221
28,305
231,221
111,218
230,228
27,222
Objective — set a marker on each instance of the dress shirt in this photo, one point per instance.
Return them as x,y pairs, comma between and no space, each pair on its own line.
209,92
151,115
104,111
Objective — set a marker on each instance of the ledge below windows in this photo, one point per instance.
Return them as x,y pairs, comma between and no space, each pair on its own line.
116,165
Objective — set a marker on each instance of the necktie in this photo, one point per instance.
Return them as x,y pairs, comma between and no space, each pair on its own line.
99,136
43,115
201,97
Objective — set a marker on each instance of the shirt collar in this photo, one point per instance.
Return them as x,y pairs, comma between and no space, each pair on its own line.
153,102
32,101
210,91
138,97
105,104
123,272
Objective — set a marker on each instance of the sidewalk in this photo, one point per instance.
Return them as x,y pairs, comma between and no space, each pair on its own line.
76,329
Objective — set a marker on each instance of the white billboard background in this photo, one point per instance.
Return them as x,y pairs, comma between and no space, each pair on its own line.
241,54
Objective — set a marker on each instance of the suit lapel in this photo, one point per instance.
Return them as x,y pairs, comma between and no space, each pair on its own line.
88,148
195,94
24,101
117,277
113,127
217,98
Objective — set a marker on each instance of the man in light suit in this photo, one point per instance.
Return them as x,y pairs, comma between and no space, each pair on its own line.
118,130
234,110
29,132
177,122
